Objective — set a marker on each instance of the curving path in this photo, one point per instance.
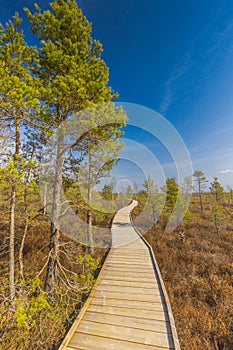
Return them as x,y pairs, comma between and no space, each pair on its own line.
128,308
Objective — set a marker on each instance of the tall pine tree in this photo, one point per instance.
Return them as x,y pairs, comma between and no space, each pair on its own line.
73,77
19,106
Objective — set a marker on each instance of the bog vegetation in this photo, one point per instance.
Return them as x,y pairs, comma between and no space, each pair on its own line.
196,259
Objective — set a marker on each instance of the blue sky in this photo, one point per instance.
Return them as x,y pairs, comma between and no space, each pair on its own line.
175,57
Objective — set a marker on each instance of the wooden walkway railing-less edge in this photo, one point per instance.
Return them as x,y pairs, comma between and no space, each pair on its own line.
131,336
158,273
74,326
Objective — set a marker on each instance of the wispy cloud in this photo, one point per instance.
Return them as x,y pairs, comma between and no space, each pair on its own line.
207,156
130,146
219,38
179,71
226,171
167,101
189,59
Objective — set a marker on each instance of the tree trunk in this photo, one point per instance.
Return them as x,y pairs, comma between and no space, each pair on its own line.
12,215
200,196
217,194
89,232
216,224
51,273
89,197
21,248
45,198
12,243
21,266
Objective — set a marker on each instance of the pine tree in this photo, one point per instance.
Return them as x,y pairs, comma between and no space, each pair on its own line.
107,192
155,200
216,189
18,106
218,217
100,148
74,77
187,187
172,190
230,193
201,184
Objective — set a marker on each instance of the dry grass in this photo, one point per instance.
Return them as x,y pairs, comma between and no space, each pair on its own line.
46,324
198,274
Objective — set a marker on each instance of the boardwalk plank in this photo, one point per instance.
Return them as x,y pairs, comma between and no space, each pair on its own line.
133,322
128,308
152,290
138,284
130,264
125,333
129,278
92,342
130,312
143,305
149,298
145,274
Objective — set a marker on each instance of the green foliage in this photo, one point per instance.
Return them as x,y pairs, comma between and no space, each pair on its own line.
18,90
149,185
155,200
150,204
21,176
188,184
26,315
87,279
172,190
100,144
216,189
129,191
218,217
187,187
74,77
88,262
40,88
33,321
88,265
29,304
9,173
72,73
107,192
201,185
201,180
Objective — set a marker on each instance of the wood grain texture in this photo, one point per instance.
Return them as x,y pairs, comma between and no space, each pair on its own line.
128,307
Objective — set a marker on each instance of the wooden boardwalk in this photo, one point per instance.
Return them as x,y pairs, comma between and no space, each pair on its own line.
128,308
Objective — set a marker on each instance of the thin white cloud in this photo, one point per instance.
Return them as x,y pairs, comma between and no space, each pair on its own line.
167,101
226,171
219,38
206,156
129,147
177,74
187,60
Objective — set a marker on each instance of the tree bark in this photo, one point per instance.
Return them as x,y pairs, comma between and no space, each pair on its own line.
21,265
51,273
216,224
25,232
45,198
89,197
12,215
12,243
200,196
